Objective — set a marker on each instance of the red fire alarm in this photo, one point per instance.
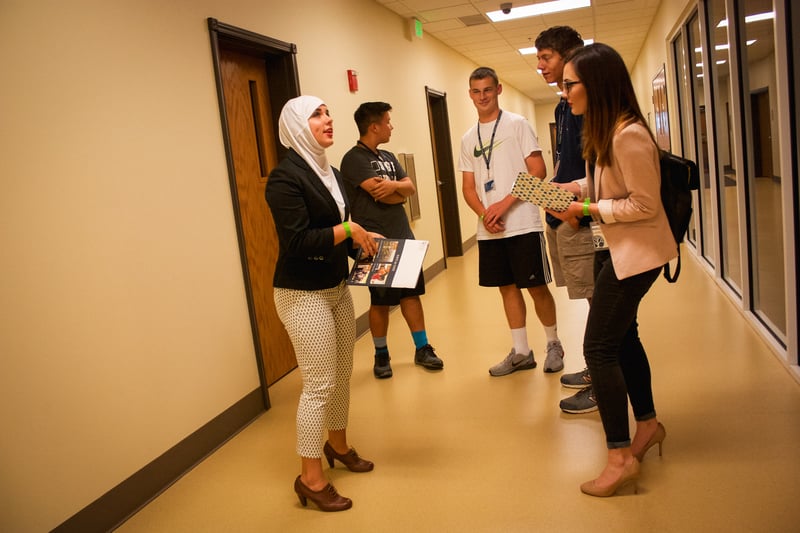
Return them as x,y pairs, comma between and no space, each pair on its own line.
352,80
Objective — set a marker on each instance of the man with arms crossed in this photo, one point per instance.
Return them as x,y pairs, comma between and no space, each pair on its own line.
377,186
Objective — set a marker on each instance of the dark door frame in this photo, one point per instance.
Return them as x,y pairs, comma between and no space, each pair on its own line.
444,173
280,60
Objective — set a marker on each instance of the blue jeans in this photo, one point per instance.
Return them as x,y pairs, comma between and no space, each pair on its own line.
614,354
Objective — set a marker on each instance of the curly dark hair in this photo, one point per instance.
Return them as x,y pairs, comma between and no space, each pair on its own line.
562,39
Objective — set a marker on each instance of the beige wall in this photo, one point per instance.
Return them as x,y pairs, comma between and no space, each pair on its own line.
655,55
124,321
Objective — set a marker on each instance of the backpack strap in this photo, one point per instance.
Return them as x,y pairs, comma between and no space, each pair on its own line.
674,277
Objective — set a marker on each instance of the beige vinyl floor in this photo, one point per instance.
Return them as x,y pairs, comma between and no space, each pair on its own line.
460,451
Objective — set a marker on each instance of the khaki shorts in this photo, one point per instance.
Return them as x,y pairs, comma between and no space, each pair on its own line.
572,258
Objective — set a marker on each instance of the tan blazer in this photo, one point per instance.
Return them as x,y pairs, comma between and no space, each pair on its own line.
628,194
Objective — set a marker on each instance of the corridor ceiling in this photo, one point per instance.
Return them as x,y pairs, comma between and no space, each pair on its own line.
463,26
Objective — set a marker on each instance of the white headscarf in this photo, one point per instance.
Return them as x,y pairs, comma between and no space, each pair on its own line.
296,134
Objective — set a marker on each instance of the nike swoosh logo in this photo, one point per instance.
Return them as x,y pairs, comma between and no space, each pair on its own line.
517,363
478,152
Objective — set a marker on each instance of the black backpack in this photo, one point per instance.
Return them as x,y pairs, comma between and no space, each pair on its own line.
679,177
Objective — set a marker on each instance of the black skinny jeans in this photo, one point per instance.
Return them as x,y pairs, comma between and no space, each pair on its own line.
614,354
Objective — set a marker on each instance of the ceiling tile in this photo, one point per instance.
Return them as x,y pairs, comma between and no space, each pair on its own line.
622,24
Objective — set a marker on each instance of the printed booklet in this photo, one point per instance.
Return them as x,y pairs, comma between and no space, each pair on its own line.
397,263
542,193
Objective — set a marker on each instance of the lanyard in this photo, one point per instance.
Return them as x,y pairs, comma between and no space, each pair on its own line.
376,153
488,158
562,118
385,169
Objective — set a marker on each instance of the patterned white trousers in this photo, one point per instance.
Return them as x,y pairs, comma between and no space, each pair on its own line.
322,327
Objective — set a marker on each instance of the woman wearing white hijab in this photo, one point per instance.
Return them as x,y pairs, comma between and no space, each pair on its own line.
305,196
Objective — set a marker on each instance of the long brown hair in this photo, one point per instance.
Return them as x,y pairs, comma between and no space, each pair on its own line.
611,100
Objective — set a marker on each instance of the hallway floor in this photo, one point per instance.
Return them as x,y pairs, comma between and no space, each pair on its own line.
460,451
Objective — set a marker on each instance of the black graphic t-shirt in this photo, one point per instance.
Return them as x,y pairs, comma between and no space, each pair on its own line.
360,164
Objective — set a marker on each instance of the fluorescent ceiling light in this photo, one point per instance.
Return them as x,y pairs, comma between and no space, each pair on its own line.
724,46
750,18
532,49
538,9
720,62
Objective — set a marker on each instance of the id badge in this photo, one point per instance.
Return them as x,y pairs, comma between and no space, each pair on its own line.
488,185
598,240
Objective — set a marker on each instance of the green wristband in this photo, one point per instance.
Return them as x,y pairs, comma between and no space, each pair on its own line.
586,207
346,226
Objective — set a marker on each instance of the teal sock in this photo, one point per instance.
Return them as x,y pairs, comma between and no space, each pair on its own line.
420,338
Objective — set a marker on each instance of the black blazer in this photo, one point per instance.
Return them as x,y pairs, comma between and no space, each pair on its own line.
305,213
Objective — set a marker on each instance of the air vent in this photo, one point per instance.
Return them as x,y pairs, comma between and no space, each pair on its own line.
474,20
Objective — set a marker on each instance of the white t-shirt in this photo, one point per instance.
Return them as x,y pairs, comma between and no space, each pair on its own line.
514,140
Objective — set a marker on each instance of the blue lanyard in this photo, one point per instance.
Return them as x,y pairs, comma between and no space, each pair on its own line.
488,158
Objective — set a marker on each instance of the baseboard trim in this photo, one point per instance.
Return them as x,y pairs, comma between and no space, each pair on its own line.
123,501
469,243
118,504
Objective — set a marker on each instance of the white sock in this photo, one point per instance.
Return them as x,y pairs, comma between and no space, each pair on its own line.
551,332
520,338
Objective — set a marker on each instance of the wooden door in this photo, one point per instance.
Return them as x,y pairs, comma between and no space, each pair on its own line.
254,153
661,110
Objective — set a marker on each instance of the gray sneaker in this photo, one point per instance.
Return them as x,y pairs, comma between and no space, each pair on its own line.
582,402
512,363
577,380
554,362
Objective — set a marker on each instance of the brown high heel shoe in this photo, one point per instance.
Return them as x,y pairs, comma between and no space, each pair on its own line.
629,475
657,438
327,499
351,460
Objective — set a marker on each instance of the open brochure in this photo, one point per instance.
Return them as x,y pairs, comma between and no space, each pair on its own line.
542,193
397,263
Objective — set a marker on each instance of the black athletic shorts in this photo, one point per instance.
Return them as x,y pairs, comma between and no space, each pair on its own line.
392,296
520,260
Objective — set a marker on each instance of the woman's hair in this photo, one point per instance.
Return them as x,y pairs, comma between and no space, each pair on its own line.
611,100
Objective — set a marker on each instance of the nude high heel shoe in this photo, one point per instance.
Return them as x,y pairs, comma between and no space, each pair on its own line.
629,476
657,438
